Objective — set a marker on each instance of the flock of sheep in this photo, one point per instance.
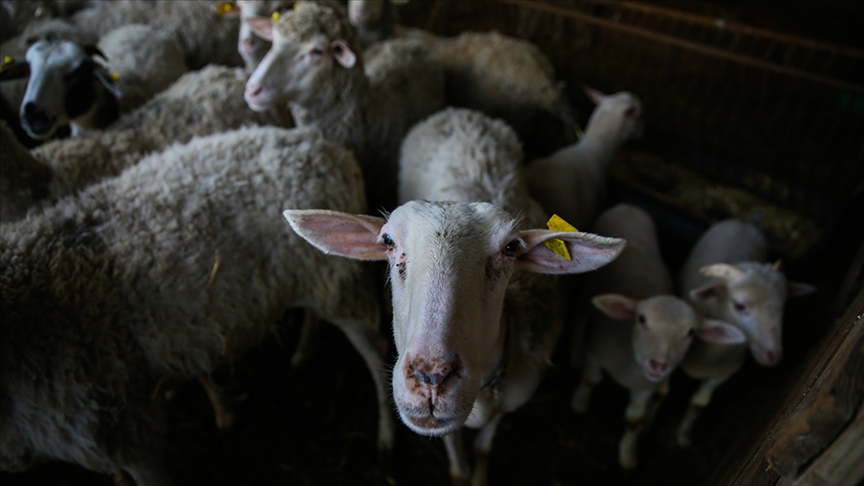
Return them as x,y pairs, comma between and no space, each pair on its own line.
228,163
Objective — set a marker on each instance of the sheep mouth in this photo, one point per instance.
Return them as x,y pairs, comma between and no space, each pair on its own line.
39,127
430,425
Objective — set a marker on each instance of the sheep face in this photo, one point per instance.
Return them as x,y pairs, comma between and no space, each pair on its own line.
664,327
751,295
62,86
302,60
618,117
450,264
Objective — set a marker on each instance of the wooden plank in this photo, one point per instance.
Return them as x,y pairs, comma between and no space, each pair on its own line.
830,388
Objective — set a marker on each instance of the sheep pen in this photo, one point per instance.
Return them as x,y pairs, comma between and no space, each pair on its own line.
544,442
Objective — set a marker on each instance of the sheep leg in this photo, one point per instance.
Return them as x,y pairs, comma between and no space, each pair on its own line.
482,448
634,419
700,399
657,399
592,375
372,347
306,345
222,409
459,469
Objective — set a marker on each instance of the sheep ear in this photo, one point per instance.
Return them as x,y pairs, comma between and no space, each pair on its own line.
707,291
262,26
797,289
720,332
93,51
723,271
616,306
587,251
107,83
352,236
15,70
593,94
227,10
343,54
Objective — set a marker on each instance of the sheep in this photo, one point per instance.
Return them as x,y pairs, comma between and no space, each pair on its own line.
23,179
572,181
473,334
640,354
377,21
174,268
17,14
67,83
315,67
200,103
724,277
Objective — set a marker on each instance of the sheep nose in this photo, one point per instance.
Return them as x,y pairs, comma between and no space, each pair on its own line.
428,377
254,89
658,366
772,357
249,44
35,119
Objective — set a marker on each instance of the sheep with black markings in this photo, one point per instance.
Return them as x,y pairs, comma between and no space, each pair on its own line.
315,67
640,353
473,333
726,277
89,86
174,268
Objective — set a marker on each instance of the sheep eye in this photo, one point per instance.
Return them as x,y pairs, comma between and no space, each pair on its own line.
739,307
512,247
317,51
691,332
641,319
388,241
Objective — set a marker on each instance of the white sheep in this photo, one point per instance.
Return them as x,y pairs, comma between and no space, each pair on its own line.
202,102
174,268
724,277
315,66
640,353
473,333
572,181
68,82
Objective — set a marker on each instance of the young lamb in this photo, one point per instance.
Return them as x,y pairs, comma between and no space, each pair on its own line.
315,66
640,353
23,179
68,83
200,103
572,181
473,333
725,278
174,268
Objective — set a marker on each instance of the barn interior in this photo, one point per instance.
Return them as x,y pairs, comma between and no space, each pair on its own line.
752,110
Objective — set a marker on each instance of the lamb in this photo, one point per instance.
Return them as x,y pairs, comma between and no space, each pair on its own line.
23,179
640,354
316,68
174,268
572,181
724,277
473,334
67,83
200,103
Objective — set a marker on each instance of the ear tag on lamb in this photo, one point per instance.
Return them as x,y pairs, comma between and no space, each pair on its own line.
556,223
275,16
225,8
7,60
114,76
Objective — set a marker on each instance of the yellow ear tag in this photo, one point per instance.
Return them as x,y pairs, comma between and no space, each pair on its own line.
7,61
115,76
224,8
275,16
555,223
